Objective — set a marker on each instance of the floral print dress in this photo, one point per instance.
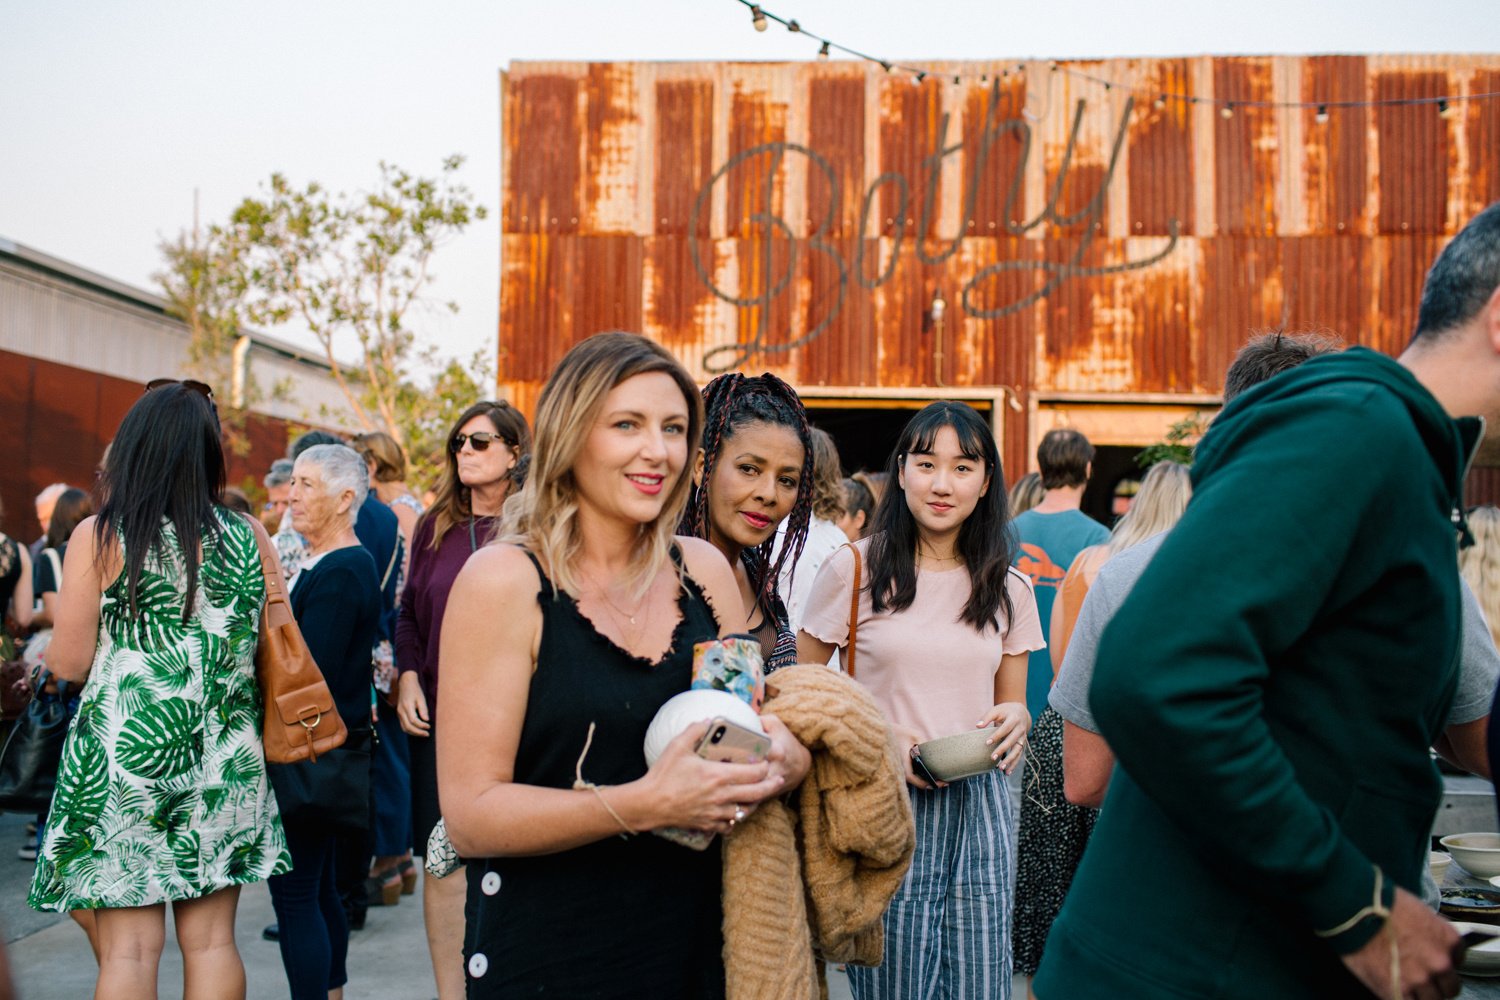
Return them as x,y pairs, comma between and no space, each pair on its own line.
162,792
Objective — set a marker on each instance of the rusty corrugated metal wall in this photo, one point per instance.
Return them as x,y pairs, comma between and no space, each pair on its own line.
801,217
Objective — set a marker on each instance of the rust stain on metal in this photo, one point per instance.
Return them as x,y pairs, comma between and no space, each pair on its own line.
1245,145
542,133
1415,142
1281,218
754,120
1161,154
1336,147
683,154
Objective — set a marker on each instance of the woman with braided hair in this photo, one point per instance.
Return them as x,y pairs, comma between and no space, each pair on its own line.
754,471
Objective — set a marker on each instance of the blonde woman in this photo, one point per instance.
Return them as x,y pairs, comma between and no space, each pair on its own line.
1163,496
1026,493
544,783
1480,564
1054,832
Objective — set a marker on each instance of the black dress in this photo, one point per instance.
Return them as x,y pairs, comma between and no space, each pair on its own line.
636,918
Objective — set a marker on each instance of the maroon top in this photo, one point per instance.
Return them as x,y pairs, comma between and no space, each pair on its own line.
425,599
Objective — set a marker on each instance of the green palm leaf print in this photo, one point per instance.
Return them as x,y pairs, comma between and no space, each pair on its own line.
185,854
83,781
163,741
157,623
171,668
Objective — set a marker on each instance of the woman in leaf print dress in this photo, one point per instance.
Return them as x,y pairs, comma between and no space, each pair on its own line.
162,794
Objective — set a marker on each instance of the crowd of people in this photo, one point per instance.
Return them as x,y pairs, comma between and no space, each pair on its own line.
1235,690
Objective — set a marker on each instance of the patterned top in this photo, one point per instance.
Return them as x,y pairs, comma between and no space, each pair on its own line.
162,791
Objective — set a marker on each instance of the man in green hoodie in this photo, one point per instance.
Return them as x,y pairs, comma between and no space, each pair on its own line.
1274,680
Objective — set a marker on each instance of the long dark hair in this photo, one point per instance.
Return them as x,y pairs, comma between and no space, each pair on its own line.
984,540
167,461
454,501
73,505
730,402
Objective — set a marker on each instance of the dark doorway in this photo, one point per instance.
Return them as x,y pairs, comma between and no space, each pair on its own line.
864,433
1112,465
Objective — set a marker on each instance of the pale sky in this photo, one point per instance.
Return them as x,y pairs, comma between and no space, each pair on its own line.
112,113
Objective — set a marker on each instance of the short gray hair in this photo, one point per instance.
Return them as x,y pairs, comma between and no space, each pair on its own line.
342,470
52,492
280,474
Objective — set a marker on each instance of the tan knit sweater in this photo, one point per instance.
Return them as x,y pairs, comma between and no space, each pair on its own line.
815,879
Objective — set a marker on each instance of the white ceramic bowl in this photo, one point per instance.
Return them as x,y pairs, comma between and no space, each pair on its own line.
1437,864
1482,959
1479,853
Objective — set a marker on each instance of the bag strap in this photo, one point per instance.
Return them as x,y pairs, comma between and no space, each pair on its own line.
395,551
277,611
853,613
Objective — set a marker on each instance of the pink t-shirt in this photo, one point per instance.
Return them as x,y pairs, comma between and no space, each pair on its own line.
928,669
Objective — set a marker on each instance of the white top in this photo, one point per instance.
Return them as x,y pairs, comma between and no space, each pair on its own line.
824,538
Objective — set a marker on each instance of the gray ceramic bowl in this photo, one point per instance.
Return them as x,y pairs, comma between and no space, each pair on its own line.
962,755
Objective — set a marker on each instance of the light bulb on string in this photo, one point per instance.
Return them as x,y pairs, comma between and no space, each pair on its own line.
1444,109
885,66
823,51
919,78
758,18
956,80
1227,111
1322,116
1160,102
793,26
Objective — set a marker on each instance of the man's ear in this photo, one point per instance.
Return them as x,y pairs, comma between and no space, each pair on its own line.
1490,317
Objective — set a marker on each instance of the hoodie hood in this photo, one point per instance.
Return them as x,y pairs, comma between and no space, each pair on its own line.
1451,443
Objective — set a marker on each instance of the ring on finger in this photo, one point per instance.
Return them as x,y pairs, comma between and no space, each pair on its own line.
739,815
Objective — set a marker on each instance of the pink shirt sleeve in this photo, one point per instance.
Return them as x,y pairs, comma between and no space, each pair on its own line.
826,616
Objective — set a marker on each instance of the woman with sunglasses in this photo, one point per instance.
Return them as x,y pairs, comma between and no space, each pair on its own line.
943,629
484,448
162,795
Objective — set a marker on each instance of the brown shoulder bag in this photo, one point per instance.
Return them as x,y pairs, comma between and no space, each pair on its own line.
848,659
301,720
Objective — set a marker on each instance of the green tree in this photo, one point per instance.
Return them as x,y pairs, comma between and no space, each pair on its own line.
350,269
200,282
1178,446
428,414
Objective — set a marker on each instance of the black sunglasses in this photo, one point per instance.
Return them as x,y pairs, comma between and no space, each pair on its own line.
187,383
479,439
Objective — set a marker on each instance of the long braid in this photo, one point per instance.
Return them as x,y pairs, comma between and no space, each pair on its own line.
731,401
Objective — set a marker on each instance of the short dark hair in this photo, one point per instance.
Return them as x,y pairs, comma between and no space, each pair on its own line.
1271,354
1463,278
1063,458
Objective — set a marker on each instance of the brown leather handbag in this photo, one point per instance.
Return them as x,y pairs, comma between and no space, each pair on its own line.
301,720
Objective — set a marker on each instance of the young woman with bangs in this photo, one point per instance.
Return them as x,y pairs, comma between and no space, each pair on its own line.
944,626
578,624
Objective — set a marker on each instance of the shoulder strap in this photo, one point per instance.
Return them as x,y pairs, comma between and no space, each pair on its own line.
277,611
853,611
395,551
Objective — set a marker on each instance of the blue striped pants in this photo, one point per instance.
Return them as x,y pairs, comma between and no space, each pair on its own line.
947,931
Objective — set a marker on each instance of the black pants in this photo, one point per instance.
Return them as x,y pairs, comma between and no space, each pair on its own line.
314,935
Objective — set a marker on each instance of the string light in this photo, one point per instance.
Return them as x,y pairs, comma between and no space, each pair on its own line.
1446,106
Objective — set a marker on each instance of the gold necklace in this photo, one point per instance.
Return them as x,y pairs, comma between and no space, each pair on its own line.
615,608
938,559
